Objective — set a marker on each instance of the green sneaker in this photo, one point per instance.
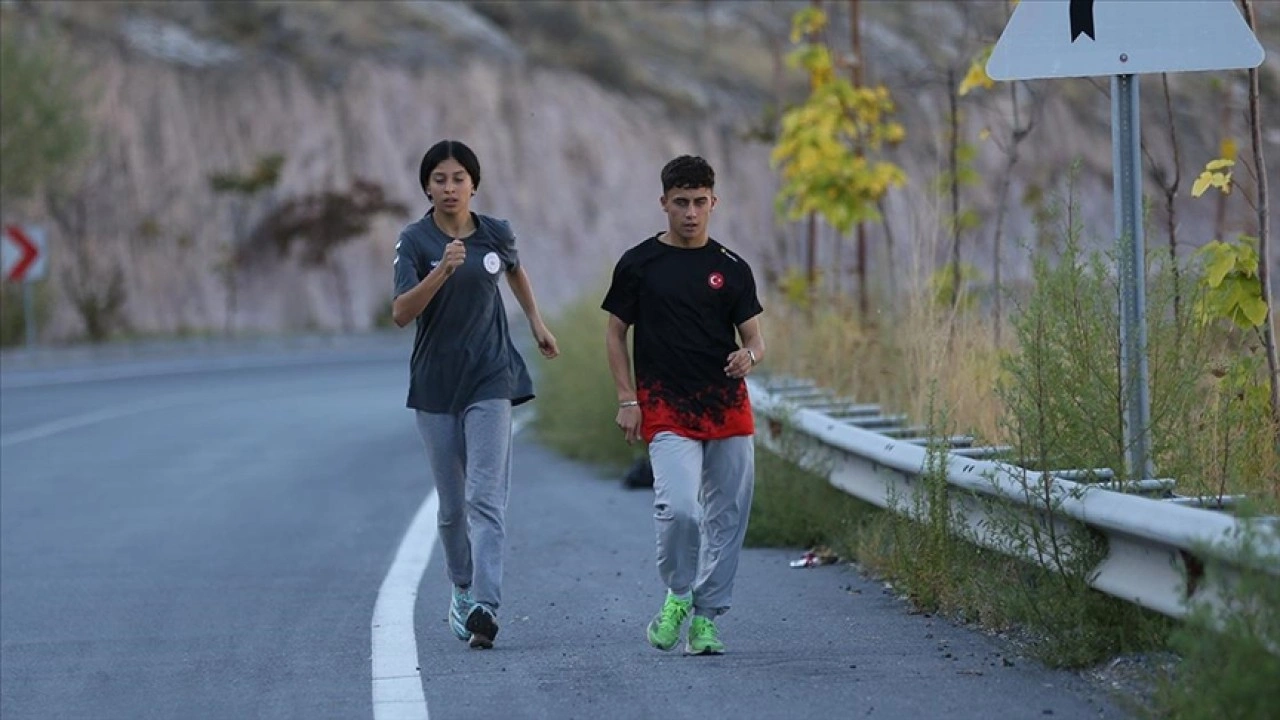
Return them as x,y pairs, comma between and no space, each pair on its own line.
703,637
664,629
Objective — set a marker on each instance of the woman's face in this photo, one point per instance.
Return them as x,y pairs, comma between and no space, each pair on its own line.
450,187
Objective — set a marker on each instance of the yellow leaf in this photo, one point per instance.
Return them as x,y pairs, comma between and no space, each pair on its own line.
1254,311
1220,261
1247,256
807,22
1201,184
985,134
1220,163
1229,148
977,77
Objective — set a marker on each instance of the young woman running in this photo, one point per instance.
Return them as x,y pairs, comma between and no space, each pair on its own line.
465,374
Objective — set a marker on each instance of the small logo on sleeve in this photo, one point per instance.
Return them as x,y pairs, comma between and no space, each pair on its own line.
715,280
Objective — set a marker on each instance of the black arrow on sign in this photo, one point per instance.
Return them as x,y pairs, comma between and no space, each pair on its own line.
1082,19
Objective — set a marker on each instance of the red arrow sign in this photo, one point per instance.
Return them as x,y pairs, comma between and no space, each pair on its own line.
28,250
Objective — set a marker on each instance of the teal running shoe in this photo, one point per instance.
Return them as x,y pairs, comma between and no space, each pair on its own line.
460,606
482,623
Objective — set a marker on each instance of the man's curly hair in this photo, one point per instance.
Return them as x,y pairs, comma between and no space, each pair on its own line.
688,171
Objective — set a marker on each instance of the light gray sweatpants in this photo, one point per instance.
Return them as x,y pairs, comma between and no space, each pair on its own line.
702,500
470,456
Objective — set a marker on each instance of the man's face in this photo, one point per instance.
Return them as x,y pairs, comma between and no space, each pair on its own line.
688,211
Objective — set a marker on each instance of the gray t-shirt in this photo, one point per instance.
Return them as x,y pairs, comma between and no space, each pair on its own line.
462,353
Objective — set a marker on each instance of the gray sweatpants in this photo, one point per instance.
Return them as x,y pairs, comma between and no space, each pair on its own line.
702,500
470,456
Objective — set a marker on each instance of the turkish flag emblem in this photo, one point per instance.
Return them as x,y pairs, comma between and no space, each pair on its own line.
715,280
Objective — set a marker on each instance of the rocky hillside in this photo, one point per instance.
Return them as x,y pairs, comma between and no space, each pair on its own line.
573,108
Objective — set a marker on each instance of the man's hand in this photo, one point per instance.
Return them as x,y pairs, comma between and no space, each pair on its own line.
546,341
629,422
455,253
740,364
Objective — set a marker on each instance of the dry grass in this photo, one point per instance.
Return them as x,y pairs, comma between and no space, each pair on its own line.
1226,444
1223,445
895,364
1211,427
913,347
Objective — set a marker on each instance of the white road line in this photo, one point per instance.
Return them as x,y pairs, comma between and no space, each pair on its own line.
79,421
397,677
397,680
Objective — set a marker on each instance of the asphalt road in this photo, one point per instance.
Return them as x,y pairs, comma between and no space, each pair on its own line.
207,537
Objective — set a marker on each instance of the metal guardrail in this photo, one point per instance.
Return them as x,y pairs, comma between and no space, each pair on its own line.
1155,550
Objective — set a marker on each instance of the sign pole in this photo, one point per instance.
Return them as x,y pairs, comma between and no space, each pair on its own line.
29,312
1127,173
1123,40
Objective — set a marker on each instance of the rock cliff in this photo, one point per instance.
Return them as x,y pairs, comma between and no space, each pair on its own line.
571,158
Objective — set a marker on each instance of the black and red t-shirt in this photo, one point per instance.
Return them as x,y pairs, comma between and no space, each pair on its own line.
685,305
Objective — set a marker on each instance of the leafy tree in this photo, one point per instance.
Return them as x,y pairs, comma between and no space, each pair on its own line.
960,173
1232,284
93,278
43,128
1233,280
318,224
1232,289
827,145
43,132
977,79
264,176
1263,208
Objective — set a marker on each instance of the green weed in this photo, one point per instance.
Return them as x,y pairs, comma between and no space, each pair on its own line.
577,401
1230,667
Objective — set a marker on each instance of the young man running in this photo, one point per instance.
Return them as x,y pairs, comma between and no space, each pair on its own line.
687,295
